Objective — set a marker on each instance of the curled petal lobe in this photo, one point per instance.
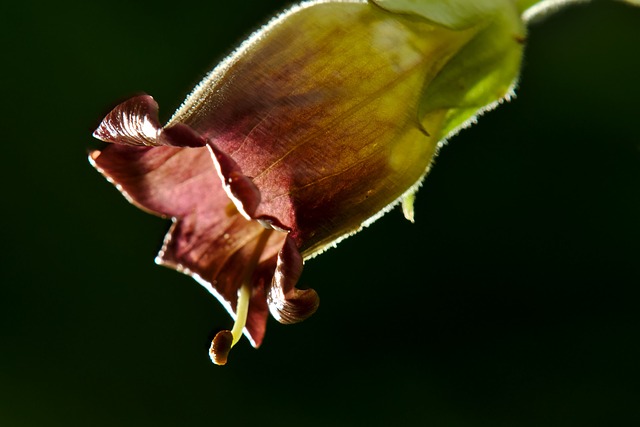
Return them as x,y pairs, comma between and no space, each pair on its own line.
135,123
287,303
240,189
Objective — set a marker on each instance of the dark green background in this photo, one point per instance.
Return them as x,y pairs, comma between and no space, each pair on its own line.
513,301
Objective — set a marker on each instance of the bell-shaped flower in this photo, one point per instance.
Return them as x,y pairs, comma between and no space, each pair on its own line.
318,124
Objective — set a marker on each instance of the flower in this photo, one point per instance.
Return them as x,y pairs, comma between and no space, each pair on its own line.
318,124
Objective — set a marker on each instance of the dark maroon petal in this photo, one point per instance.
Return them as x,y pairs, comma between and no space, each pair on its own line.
287,303
209,239
218,258
325,121
180,135
156,179
240,189
135,122
258,314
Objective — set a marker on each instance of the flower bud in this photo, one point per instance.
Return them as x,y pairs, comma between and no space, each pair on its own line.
319,123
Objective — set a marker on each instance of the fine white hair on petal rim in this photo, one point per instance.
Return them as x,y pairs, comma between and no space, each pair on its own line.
202,89
544,8
508,96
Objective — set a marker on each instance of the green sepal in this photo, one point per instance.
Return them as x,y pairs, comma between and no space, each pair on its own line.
481,73
454,14
407,206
